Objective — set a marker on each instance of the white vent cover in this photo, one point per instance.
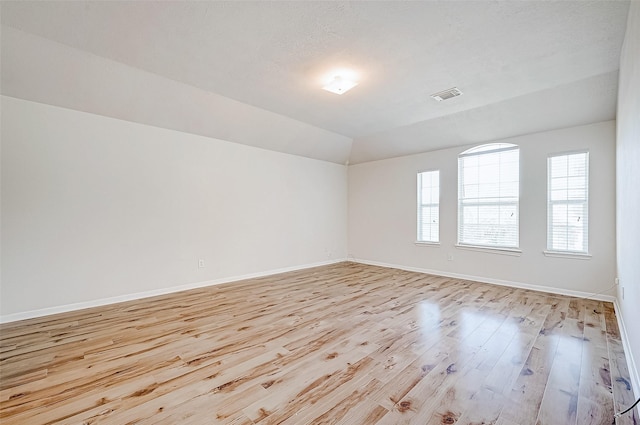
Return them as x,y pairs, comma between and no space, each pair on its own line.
446,94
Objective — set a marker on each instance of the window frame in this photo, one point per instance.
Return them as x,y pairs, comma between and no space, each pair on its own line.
555,252
421,205
485,149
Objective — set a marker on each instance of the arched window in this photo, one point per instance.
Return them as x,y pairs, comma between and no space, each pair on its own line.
488,196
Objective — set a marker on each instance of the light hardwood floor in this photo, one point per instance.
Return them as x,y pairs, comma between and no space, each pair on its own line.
341,344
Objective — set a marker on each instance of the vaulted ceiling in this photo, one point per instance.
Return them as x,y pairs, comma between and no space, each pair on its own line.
252,72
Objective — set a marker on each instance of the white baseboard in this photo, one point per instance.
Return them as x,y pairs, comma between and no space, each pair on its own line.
162,291
550,289
628,354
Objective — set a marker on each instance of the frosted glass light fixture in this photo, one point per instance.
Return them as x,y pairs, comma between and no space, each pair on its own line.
339,85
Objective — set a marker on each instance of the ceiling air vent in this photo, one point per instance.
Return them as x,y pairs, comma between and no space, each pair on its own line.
446,94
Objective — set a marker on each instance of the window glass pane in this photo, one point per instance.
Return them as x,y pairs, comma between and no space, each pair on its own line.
489,173
470,214
576,165
560,240
470,174
559,166
559,195
559,183
576,182
435,194
559,215
509,189
576,194
574,239
426,195
470,191
508,215
574,215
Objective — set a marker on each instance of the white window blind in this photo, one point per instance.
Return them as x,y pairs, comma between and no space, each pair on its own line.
488,196
429,206
568,203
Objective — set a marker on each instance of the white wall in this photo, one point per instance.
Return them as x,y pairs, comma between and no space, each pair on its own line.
382,215
95,207
628,187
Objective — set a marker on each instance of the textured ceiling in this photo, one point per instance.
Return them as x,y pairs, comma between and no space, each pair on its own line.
554,63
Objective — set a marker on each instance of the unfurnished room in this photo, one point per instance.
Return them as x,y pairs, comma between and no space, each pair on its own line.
320,212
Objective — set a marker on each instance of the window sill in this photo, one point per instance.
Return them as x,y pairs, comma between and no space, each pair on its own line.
514,252
425,243
573,255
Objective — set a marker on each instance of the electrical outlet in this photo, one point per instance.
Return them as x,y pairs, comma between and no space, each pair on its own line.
449,257
200,264
617,281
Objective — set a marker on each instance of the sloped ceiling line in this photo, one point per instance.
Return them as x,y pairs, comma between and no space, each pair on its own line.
251,72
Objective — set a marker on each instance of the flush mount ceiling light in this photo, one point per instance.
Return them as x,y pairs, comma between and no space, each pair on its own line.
339,85
446,94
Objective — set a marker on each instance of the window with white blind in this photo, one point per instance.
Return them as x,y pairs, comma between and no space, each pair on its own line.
568,203
429,206
488,196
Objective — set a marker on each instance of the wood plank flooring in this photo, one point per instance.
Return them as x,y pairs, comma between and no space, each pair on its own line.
341,344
